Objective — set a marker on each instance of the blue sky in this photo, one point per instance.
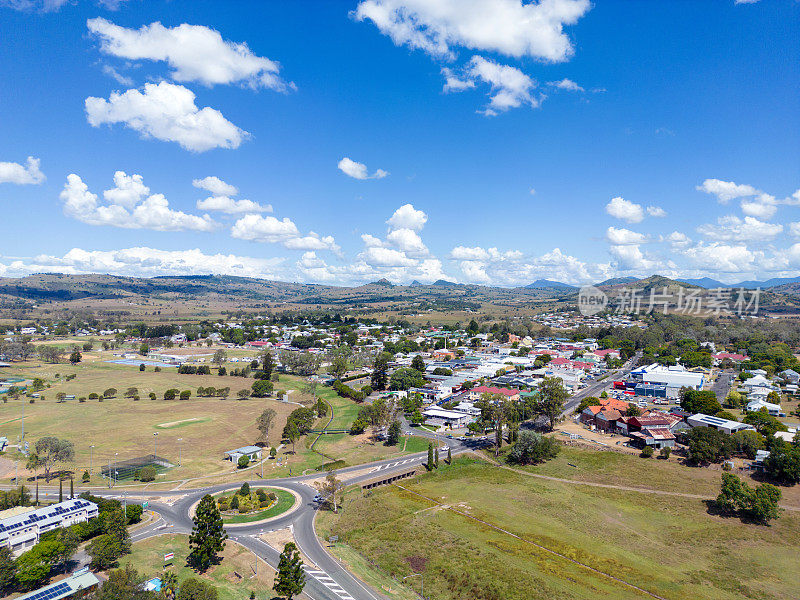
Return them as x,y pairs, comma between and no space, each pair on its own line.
482,141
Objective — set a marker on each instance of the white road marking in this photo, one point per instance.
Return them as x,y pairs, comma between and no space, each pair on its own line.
394,464
329,583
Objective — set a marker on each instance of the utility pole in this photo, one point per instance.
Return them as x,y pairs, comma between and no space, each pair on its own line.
91,459
180,455
109,471
155,447
115,467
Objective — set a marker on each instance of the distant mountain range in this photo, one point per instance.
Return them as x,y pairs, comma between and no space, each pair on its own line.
548,284
708,283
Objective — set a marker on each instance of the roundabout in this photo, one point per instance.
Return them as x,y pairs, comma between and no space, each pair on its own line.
261,504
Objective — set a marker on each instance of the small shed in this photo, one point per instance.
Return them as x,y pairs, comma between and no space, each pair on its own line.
251,452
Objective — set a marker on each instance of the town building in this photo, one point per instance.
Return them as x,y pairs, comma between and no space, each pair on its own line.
724,425
251,452
77,585
21,532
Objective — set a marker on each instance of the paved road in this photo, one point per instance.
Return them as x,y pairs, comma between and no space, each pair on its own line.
722,384
326,578
596,388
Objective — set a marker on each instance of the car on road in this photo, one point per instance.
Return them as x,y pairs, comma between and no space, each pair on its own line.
317,497
444,448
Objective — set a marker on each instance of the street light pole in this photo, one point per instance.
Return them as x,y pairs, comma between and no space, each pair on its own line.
155,447
91,458
180,454
115,467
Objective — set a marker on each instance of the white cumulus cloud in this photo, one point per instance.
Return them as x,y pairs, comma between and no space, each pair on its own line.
732,227
725,191
619,208
137,209
510,27
166,112
358,170
509,87
624,237
407,217
272,230
215,185
194,53
27,174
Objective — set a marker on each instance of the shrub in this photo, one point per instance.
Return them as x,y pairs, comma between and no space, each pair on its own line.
147,473
152,395
245,489
110,393
185,395
262,388
665,452
234,502
85,477
647,452
532,448
243,462
157,369
94,396
142,367
82,399
347,392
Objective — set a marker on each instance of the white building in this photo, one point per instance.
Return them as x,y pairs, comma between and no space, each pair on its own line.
440,416
756,405
674,377
21,532
724,425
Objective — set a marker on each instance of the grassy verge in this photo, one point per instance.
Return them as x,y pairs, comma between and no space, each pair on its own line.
620,468
670,546
147,558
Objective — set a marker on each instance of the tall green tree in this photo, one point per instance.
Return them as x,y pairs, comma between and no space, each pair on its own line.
418,363
208,535
265,422
393,434
552,395
8,569
430,465
51,451
267,363
290,579
380,372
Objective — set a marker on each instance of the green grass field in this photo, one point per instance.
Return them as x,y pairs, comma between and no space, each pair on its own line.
194,433
147,558
670,546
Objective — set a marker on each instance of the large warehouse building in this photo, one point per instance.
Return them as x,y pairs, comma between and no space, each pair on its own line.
674,378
